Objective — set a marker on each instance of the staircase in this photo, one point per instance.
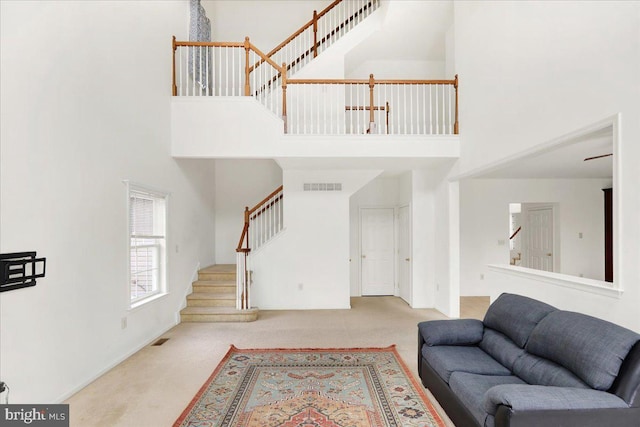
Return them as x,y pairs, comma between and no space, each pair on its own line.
214,297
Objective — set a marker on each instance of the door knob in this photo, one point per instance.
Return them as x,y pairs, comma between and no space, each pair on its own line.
549,254
364,256
407,259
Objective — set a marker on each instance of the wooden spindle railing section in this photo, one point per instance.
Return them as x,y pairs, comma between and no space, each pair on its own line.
424,110
267,220
312,46
423,107
244,244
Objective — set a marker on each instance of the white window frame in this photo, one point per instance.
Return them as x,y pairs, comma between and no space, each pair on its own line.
160,234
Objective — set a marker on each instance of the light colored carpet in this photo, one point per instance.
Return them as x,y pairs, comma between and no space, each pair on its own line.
152,387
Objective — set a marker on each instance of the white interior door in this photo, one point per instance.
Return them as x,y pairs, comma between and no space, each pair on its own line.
540,244
377,251
404,253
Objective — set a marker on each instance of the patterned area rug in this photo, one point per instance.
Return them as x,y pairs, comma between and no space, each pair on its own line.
310,388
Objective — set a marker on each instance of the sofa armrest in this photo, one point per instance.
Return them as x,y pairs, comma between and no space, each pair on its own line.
524,397
451,332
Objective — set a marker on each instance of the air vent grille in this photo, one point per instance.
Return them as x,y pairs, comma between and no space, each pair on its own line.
323,186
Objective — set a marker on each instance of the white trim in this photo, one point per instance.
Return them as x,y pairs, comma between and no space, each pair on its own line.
395,243
141,303
163,285
579,283
615,121
397,250
63,397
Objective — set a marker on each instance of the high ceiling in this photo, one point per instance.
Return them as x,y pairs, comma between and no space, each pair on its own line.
413,30
566,160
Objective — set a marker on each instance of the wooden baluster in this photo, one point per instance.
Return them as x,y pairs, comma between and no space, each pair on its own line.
174,88
284,95
371,112
247,86
387,111
246,223
455,126
315,33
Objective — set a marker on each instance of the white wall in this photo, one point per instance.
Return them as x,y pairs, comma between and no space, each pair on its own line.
307,265
85,104
239,184
267,23
399,69
528,74
485,221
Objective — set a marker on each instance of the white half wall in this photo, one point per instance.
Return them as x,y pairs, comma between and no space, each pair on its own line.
83,108
307,265
239,184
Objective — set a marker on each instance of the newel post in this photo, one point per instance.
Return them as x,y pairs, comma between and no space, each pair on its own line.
315,33
246,223
455,125
372,84
284,95
174,88
247,86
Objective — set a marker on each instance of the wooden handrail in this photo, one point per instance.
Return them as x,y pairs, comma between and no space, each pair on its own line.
265,200
367,81
299,31
515,232
210,44
244,236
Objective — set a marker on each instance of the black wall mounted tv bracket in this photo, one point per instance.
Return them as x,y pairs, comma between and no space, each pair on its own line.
20,270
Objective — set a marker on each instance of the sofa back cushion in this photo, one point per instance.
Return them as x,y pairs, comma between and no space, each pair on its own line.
500,347
538,371
591,348
516,316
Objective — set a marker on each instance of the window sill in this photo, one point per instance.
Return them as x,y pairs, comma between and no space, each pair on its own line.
579,283
148,300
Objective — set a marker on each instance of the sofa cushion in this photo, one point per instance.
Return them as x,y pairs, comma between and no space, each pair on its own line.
516,316
500,347
451,332
592,348
447,359
471,388
532,398
539,371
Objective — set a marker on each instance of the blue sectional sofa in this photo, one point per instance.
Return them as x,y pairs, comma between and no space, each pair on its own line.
529,364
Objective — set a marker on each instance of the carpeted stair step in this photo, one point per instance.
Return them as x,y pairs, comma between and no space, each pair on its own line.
217,314
215,286
218,272
212,299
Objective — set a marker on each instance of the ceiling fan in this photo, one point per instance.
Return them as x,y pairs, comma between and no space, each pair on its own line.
598,157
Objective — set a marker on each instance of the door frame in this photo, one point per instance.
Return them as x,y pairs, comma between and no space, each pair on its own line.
555,233
397,249
395,244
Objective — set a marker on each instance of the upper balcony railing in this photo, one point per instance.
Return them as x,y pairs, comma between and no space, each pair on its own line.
316,106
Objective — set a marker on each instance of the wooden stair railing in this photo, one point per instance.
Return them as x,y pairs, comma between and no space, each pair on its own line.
332,33
267,219
181,78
